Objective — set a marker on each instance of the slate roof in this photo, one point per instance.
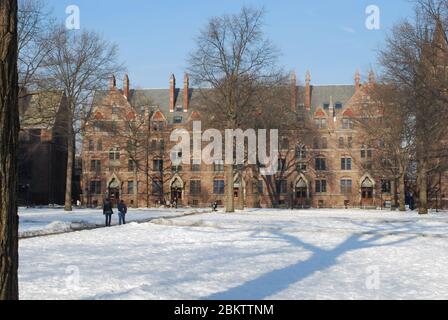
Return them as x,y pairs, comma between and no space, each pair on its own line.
337,93
160,98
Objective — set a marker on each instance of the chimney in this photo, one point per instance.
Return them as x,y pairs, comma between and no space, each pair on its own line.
172,92
112,82
308,91
357,81
186,92
126,86
331,108
293,92
372,78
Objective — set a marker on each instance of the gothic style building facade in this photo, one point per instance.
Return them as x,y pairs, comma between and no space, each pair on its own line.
126,152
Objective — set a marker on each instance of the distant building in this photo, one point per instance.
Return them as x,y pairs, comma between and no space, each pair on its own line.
332,168
42,148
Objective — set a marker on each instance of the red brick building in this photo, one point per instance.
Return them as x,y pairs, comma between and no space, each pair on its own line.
126,152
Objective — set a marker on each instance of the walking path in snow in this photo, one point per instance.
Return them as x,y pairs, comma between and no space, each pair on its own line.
46,221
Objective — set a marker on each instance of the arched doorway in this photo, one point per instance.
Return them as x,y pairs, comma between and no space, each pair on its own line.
367,192
113,190
301,193
177,188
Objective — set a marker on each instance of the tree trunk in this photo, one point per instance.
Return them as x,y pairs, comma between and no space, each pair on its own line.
423,189
255,191
135,190
229,184
393,187
9,133
69,177
241,195
402,193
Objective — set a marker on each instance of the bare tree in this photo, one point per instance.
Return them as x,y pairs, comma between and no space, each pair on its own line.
415,60
35,26
235,60
386,135
9,130
78,64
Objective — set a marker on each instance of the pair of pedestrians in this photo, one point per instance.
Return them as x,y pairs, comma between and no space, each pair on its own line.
108,212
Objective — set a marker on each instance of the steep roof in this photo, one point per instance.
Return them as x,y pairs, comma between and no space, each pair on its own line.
337,93
159,99
39,110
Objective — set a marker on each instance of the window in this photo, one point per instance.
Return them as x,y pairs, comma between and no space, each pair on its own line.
130,187
114,110
321,123
346,186
301,167
157,187
346,164
350,142
131,146
281,165
195,187
341,143
321,164
114,154
260,187
366,152
177,120
338,105
157,165
91,145
176,169
301,153
157,125
100,145
316,143
141,110
321,186
281,186
284,145
131,165
95,187
218,186
347,123
95,166
386,186
162,146
326,106
218,166
176,155
179,108
324,143
113,127
195,167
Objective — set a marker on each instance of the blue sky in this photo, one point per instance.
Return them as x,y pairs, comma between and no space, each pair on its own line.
328,37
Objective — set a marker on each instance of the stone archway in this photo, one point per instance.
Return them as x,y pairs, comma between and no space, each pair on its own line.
114,189
177,189
301,191
239,191
367,184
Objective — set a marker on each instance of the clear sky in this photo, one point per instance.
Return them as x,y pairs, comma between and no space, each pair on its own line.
328,37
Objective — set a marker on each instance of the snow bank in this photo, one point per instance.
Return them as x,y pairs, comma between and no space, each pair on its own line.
185,223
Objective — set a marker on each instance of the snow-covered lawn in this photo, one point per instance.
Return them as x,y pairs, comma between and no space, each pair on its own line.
255,254
48,221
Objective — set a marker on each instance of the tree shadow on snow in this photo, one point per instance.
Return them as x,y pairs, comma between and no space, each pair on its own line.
276,281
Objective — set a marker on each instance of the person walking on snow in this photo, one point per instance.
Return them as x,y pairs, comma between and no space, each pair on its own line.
108,211
122,210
